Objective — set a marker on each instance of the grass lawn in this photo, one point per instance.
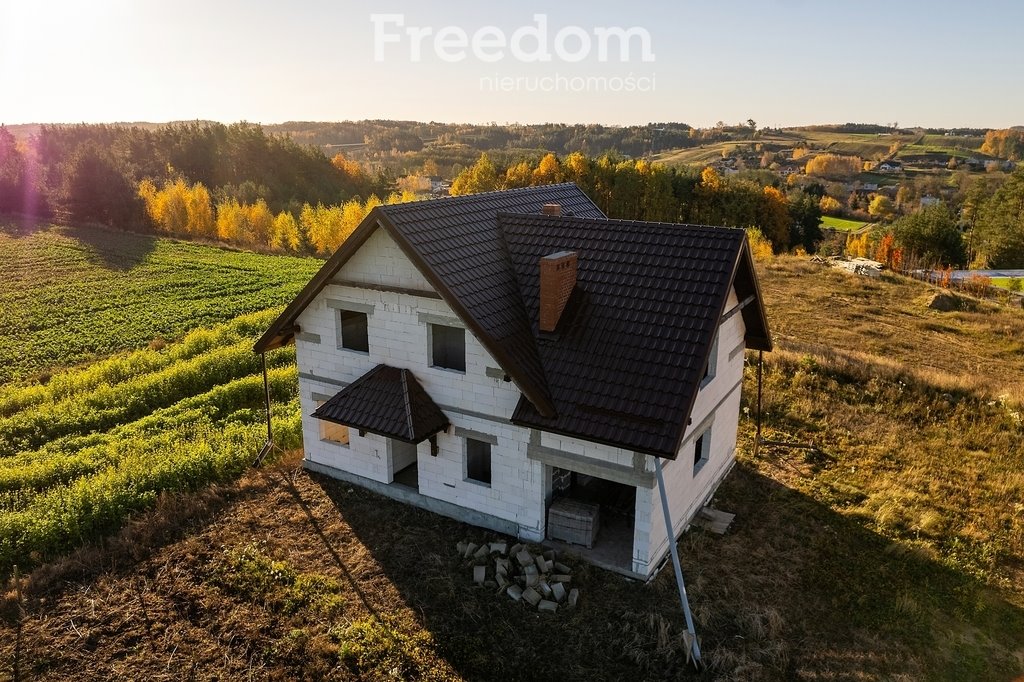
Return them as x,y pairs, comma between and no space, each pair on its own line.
842,223
1007,282
71,294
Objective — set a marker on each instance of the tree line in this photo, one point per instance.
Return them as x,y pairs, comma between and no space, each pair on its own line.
91,173
187,210
636,189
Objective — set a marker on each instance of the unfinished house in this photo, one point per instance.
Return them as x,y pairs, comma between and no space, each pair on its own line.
517,361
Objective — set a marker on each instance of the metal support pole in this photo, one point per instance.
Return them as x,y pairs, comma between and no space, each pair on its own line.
269,445
266,396
675,559
757,436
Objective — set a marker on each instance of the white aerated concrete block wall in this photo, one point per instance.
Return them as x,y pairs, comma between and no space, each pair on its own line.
398,336
718,405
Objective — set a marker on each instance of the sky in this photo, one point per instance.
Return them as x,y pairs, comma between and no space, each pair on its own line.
778,62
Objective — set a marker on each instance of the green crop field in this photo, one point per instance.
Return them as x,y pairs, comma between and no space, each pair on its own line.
82,452
82,448
842,223
71,295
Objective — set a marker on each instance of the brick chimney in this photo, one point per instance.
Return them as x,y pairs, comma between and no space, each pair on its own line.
551,209
557,279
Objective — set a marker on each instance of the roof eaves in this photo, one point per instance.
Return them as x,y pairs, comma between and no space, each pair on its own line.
591,438
710,345
763,342
274,336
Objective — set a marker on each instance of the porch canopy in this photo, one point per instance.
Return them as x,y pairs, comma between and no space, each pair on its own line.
387,401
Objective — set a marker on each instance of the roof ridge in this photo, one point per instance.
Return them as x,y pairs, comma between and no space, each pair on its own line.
488,193
616,221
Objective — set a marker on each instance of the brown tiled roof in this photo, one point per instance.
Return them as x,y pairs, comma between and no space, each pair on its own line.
459,242
454,242
386,401
625,364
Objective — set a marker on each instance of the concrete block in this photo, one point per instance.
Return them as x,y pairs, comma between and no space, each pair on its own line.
501,579
524,558
532,596
516,549
544,588
515,592
549,555
574,596
547,606
483,552
502,564
479,574
461,548
542,564
559,578
499,547
470,549
562,568
558,590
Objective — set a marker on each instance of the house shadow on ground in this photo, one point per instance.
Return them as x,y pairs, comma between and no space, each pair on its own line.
794,590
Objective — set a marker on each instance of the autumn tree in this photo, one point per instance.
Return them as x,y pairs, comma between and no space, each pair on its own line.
829,206
548,171
518,175
323,225
480,177
881,207
259,224
285,232
775,219
1005,144
230,220
354,177
167,207
179,208
430,168
199,212
833,166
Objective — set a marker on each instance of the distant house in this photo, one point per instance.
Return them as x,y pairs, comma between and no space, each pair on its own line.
889,167
929,201
518,361
439,186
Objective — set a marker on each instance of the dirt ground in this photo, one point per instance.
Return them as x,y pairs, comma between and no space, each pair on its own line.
207,587
153,602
